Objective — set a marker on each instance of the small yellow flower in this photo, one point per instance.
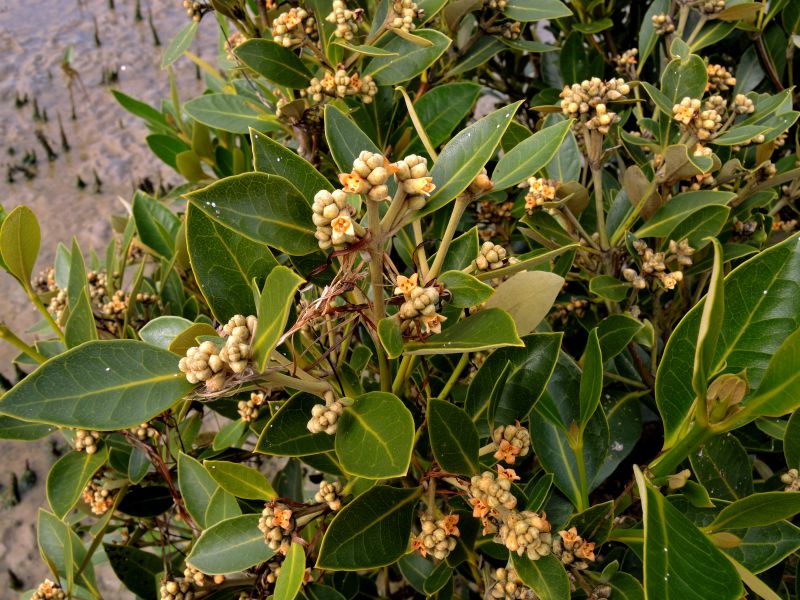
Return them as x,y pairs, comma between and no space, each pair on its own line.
343,225
422,186
433,323
511,474
353,183
406,284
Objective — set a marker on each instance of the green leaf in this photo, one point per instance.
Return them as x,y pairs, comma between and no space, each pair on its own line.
156,225
226,112
229,546
102,385
179,44
679,211
710,321
162,330
286,433
290,577
679,561
390,336
615,332
189,337
240,480
274,62
739,135
454,439
478,54
762,308
20,238
723,468
267,209
591,378
682,78
196,487
625,586
277,298
224,264
222,506
381,422
462,251
609,288
381,513
539,493
80,325
757,510
462,159
530,156
68,478
465,289
441,109
144,111
229,435
546,576
777,394
411,60
166,147
136,569
761,548
76,280
791,440
345,139
16,429
489,328
535,10
527,297
54,539
364,49
275,159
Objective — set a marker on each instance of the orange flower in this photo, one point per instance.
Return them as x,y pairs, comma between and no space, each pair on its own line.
433,323
391,167
343,224
449,525
406,284
507,452
418,545
507,473
585,551
353,183
420,185
570,537
283,518
479,509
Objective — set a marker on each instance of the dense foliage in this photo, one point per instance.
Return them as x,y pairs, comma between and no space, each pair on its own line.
381,344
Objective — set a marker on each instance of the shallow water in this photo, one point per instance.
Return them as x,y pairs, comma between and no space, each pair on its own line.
34,35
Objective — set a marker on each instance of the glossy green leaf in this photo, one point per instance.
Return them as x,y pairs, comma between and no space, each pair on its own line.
462,159
16,429
80,326
267,209
684,77
488,328
411,59
791,440
724,469
527,297
345,140
530,156
679,561
364,49
647,34
162,330
466,291
286,433
196,487
224,264
275,159
591,378
757,510
709,327
139,570
240,480
179,44
142,110
274,62
156,225
102,385
292,573
229,546
69,476
229,435
538,494
679,209
382,513
390,336
762,309
535,10
20,238
546,576
189,337
615,332
381,422
761,548
277,298
777,394
227,112
454,439
609,288
481,51
441,109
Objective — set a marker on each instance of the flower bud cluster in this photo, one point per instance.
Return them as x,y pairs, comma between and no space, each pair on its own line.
412,173
662,23
290,29
576,306
719,78
277,524
344,19
48,590
234,40
176,589
370,174
489,494
402,14
98,497
792,480
144,431
526,533
86,441
418,314
199,578
625,63
573,550
493,256
341,85
743,105
511,441
496,4
587,101
541,191
511,30
194,10
45,281
508,586
327,208
712,7
681,251
211,364
330,493
325,417
437,536
702,123
600,592
248,409
654,264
